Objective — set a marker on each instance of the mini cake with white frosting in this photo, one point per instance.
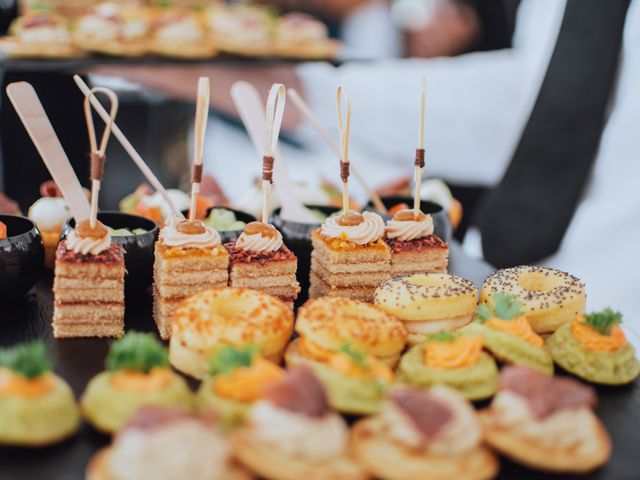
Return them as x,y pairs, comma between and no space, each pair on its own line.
188,258
350,257
261,261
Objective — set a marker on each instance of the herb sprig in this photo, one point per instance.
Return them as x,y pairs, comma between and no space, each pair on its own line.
441,337
228,358
505,306
603,321
137,351
28,359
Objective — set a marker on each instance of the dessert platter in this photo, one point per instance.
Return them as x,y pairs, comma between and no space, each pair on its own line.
148,32
401,365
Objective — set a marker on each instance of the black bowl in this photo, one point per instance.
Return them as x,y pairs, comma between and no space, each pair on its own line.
441,223
21,257
297,236
230,235
138,258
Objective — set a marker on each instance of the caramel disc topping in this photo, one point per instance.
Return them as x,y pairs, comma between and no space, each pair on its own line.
408,215
84,230
264,229
350,219
191,228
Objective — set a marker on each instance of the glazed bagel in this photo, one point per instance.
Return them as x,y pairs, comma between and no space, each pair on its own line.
227,316
328,323
549,297
390,461
428,302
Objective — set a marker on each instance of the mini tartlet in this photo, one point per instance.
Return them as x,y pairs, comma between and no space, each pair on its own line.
549,297
507,334
422,435
292,434
355,383
298,35
241,30
138,374
236,381
454,360
166,444
595,348
180,33
546,422
36,406
144,202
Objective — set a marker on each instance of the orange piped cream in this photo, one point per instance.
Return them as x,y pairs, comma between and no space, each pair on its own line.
140,382
371,370
246,384
13,384
595,341
519,326
459,353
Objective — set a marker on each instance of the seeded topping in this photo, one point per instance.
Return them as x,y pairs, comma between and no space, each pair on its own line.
239,255
428,413
417,245
113,255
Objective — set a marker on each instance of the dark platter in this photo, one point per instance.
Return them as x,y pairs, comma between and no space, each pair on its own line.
77,360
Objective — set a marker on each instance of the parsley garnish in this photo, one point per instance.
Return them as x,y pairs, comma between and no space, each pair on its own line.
28,359
357,357
137,351
228,358
441,337
505,306
602,322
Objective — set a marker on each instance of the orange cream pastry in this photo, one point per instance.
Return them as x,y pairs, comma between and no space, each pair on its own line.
188,259
241,29
546,423
113,29
36,406
147,203
50,215
39,33
549,298
237,379
164,443
595,348
507,334
428,302
292,434
350,257
3,231
424,435
326,325
180,33
137,374
238,317
299,35
454,360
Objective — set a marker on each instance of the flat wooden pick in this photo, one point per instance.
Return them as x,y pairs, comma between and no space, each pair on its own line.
36,122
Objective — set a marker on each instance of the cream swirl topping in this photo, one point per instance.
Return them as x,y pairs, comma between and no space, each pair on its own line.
259,243
570,427
88,245
406,230
49,213
370,230
298,435
172,237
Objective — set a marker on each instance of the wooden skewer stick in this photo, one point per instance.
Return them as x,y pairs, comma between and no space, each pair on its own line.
306,112
274,112
344,125
419,162
126,144
98,151
200,129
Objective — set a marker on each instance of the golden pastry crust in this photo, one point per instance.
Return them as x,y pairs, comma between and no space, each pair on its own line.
13,48
390,461
173,49
331,322
317,50
117,48
98,468
245,49
273,465
550,298
543,457
232,316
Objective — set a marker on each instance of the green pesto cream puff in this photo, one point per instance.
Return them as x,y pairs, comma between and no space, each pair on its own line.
456,361
138,374
36,406
595,348
236,381
507,334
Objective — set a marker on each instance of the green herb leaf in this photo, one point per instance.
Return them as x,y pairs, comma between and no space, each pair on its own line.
441,337
602,322
137,351
505,306
228,358
28,359
483,312
358,357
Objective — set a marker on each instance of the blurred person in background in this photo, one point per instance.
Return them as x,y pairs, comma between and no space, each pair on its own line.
548,125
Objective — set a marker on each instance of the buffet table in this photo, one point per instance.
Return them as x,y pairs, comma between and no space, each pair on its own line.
77,360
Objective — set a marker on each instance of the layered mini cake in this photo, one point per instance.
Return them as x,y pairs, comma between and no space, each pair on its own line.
188,258
261,261
349,258
414,247
88,287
